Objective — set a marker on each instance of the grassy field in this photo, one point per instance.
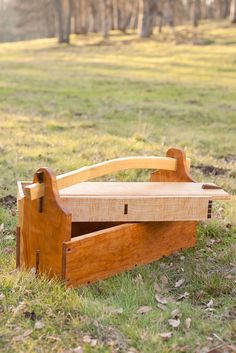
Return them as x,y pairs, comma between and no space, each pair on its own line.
69,106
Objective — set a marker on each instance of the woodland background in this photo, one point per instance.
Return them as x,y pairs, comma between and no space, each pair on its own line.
28,19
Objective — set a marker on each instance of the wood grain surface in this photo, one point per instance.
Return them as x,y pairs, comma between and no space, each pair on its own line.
99,255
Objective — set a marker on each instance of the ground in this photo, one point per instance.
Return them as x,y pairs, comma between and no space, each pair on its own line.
69,106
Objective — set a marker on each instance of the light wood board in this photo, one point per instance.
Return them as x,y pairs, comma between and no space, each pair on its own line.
143,189
120,209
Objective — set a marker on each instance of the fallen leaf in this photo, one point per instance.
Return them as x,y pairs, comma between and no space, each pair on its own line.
174,322
199,294
160,299
132,350
162,265
183,296
8,250
210,304
175,314
179,283
164,280
23,336
77,350
1,226
20,308
162,307
138,279
188,323
143,309
182,258
2,296
87,339
39,325
166,335
93,342
54,338
110,310
157,288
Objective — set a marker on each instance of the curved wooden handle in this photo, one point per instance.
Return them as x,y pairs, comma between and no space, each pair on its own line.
36,190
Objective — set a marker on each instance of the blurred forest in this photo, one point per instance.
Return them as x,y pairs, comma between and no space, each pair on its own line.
30,19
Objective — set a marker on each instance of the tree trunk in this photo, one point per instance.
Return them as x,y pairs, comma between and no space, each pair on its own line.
225,8
145,18
93,17
63,14
171,5
196,12
233,11
105,10
115,12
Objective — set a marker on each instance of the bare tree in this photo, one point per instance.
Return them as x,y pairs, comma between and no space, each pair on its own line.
233,11
147,16
196,12
105,10
171,9
63,13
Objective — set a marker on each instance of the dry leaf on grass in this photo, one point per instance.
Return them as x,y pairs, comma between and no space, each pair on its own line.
157,288
39,325
162,307
187,323
174,322
179,283
113,311
183,296
132,350
77,350
175,314
164,280
166,335
210,304
143,309
88,339
23,336
138,279
160,299
2,296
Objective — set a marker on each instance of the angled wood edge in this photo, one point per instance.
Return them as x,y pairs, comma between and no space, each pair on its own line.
46,224
37,190
181,173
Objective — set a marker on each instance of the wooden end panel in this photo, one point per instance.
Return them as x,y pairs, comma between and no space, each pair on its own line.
99,255
46,225
181,173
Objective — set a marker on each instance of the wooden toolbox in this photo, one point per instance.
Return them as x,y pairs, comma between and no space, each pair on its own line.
83,231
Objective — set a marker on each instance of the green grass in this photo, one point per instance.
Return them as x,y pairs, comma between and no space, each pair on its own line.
69,106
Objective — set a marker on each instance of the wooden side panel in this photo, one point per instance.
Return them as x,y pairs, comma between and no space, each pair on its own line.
91,209
46,226
99,255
